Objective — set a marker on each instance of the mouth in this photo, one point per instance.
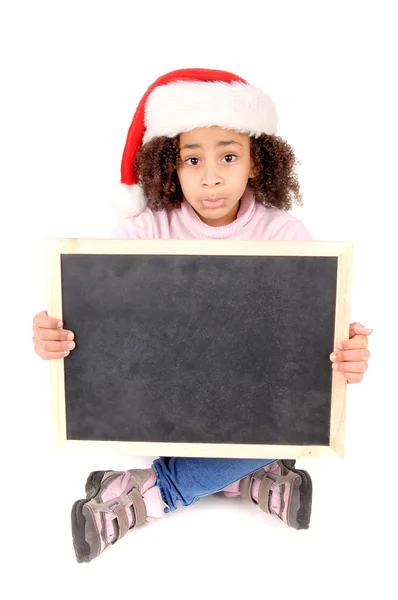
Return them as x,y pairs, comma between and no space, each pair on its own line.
213,202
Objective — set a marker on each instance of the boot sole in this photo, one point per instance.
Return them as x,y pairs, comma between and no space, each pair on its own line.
305,490
80,525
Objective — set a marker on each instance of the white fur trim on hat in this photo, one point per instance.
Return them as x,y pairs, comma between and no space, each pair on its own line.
129,200
183,106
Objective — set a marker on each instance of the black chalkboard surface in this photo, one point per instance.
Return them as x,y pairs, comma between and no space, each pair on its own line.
189,353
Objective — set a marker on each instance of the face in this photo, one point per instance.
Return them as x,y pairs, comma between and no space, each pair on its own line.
214,170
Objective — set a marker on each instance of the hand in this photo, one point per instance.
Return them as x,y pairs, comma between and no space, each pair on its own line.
352,355
50,340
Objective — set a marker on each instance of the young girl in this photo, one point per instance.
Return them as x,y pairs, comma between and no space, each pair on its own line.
202,161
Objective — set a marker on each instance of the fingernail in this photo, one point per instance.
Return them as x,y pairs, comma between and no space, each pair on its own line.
333,357
340,346
66,353
335,366
60,324
71,345
70,336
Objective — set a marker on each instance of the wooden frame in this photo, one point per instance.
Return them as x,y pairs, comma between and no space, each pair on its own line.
341,250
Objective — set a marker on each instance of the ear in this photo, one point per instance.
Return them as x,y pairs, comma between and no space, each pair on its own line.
253,170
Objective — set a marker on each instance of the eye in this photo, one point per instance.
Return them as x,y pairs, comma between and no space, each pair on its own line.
192,158
230,156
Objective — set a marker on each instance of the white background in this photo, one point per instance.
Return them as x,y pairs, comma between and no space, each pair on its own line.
72,74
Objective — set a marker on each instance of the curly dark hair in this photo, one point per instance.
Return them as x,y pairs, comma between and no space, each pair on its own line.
275,184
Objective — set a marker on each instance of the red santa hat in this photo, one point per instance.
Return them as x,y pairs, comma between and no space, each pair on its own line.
184,100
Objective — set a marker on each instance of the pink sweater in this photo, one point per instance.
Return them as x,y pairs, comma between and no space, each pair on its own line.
254,222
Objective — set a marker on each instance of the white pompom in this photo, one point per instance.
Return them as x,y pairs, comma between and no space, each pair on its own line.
128,200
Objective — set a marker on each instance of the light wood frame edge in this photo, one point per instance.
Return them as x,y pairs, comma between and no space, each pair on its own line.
342,323
57,374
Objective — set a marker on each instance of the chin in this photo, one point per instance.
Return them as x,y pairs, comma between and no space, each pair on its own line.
213,213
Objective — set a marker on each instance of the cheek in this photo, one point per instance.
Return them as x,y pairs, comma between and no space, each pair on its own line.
181,176
242,172
186,182
187,177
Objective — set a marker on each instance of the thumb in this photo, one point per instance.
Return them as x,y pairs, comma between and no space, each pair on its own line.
358,329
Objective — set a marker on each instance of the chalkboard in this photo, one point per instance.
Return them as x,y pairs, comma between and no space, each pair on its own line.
202,348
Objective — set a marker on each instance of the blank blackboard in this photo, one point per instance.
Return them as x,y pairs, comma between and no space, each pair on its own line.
202,348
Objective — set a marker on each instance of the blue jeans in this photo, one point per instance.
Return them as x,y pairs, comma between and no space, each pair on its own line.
188,479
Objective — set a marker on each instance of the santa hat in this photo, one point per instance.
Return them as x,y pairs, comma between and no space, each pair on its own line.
184,100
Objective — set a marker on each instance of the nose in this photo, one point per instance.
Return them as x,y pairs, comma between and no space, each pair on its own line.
211,176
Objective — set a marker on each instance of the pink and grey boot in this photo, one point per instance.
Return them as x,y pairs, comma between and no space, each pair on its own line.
278,489
116,501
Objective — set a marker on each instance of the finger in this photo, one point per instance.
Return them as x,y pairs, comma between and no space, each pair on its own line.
52,355
353,377
53,334
351,367
362,354
56,346
43,320
355,343
358,329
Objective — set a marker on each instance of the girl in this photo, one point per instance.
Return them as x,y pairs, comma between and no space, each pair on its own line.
201,160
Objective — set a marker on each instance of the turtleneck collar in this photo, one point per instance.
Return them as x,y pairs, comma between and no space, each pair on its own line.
246,211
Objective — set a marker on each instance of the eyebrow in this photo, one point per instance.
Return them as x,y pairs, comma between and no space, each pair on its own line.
222,143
